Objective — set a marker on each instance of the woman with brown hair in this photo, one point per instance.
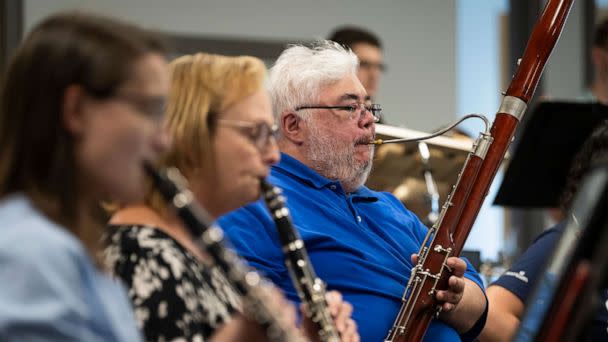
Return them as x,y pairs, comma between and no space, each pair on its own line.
220,119
81,108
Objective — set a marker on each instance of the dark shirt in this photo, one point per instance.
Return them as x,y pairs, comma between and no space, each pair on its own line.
523,275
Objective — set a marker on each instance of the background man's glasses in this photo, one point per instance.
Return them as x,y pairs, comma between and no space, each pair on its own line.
259,133
352,109
371,66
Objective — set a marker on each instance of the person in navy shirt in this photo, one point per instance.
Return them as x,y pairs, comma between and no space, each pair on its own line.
507,295
360,241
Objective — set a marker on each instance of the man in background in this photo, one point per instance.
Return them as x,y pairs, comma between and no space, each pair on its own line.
368,48
598,91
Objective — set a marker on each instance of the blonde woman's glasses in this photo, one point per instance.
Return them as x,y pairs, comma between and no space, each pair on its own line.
259,133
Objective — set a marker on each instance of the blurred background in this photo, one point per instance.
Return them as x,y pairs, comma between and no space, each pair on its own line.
444,59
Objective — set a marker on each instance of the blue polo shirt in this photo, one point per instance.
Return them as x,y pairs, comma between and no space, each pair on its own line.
521,278
359,243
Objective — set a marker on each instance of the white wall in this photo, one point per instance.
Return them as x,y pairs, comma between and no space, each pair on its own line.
419,88
478,90
564,75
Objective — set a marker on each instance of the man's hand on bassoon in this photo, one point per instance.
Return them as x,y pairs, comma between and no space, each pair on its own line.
451,297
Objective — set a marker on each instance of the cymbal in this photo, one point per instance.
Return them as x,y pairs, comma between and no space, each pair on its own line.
413,194
398,168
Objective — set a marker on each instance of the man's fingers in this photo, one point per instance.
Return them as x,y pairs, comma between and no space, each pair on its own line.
456,284
447,307
457,265
449,297
454,293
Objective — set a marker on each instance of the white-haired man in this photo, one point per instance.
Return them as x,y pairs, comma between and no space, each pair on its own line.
360,241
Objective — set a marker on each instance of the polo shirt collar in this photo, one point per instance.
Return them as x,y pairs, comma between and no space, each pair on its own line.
295,168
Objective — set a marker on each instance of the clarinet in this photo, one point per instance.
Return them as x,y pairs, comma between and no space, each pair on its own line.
210,239
311,288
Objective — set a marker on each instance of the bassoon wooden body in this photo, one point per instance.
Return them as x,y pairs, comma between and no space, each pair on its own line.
448,235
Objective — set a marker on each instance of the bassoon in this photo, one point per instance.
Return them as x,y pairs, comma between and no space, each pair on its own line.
447,236
310,288
210,239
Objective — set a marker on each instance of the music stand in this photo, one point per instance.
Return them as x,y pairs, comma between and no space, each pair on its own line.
539,164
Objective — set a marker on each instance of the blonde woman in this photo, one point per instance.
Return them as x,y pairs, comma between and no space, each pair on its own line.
221,123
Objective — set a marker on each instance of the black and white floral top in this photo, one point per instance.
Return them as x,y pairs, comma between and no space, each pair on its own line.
175,296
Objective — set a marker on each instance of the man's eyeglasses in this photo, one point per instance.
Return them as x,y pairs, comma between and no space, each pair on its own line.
352,109
259,133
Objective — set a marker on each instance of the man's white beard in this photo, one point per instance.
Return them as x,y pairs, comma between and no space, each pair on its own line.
336,160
